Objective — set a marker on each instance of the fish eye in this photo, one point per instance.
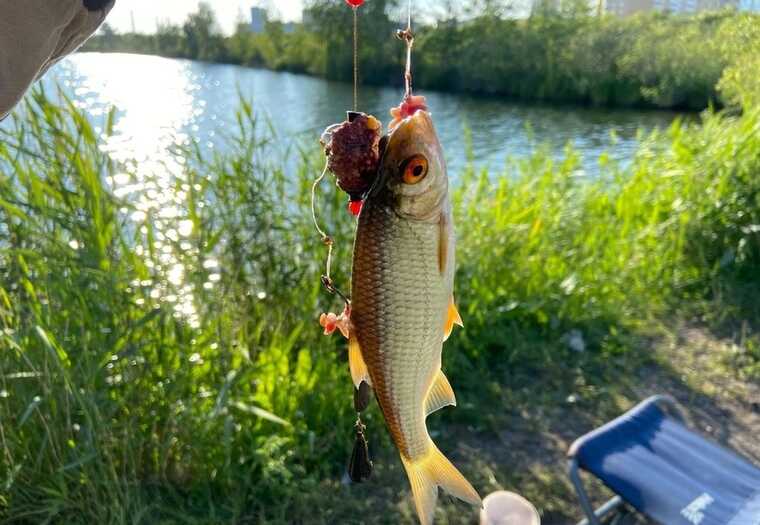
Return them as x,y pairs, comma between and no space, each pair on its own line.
414,169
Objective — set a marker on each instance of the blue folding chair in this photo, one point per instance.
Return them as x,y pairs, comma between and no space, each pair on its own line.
670,474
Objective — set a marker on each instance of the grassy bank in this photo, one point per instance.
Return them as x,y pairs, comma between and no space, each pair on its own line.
169,369
569,56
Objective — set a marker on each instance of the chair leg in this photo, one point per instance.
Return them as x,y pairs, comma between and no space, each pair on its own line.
593,517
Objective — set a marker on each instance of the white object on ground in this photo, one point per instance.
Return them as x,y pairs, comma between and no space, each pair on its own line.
508,508
34,35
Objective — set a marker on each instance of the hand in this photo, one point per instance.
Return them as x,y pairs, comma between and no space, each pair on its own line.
35,34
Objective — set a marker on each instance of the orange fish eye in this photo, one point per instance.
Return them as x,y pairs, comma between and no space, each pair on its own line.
414,169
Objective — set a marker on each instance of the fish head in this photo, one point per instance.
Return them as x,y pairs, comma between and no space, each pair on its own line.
412,179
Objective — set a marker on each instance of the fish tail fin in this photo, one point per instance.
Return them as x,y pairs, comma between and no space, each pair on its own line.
428,473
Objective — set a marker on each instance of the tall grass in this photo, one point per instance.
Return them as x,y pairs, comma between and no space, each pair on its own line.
109,398
541,248
115,407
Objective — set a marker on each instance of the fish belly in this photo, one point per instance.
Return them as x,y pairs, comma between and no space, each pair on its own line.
399,305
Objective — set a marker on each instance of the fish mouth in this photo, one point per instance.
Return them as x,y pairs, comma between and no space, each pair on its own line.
410,128
419,119
404,130
414,129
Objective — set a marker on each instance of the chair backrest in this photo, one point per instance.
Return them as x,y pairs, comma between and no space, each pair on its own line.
669,472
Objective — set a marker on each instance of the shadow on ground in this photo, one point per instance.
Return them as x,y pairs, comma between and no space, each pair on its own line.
513,433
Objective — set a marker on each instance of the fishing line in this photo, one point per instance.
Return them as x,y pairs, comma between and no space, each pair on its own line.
407,36
326,240
356,58
360,464
314,203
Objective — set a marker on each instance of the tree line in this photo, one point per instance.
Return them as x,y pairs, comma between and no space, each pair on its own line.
562,52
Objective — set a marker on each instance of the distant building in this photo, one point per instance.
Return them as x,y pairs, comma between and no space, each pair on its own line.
289,27
259,17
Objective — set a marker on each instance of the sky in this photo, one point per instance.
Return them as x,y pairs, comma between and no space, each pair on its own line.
148,12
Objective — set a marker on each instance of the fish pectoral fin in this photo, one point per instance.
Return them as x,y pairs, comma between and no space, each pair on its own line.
440,394
430,472
452,318
359,371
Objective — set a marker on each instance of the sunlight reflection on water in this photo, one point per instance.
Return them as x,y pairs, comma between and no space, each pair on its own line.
151,123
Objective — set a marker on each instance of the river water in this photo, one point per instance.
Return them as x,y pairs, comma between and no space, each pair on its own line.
162,102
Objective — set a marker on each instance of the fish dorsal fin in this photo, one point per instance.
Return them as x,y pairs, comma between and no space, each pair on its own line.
443,244
359,371
440,394
452,318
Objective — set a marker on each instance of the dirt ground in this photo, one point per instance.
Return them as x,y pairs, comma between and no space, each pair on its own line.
715,402
522,445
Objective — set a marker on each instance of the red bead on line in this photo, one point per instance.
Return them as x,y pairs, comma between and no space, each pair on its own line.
355,207
355,3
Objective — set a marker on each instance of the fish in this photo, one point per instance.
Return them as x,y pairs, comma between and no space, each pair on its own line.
402,303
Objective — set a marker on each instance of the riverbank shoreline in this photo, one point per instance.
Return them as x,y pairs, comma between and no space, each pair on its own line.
398,86
646,61
178,100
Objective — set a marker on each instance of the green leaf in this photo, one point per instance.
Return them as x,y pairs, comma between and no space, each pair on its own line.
53,347
260,412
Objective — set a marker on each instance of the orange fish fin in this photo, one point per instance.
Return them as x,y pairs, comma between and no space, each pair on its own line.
452,318
359,371
443,244
428,473
440,394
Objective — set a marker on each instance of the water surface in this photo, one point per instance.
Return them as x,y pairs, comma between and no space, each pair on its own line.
164,101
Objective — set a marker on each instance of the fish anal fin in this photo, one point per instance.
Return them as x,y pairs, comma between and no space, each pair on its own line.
452,318
428,473
359,371
440,394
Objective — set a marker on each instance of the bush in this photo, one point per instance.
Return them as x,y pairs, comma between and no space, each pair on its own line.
740,83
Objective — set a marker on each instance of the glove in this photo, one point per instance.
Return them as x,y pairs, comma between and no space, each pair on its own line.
35,34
